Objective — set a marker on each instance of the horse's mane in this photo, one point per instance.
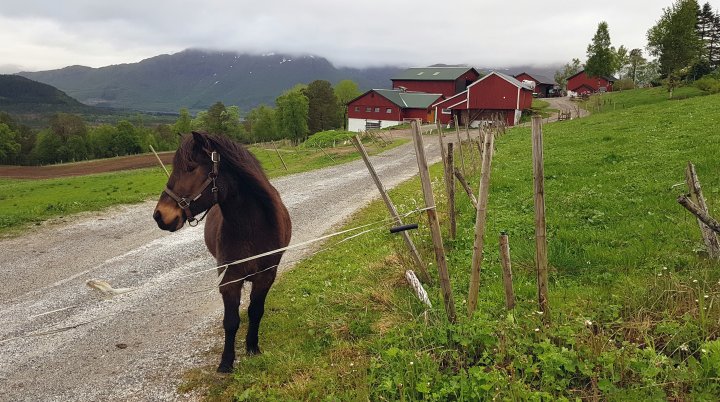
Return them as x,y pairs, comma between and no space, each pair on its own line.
238,162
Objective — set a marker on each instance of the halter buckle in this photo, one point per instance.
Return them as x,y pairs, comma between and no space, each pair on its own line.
184,203
214,157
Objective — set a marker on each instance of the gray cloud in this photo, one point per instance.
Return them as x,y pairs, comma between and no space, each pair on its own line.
41,35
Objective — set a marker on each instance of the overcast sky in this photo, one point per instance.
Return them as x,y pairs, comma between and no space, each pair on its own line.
40,35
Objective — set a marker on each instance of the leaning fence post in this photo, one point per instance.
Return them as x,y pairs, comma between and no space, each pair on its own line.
480,221
451,188
434,224
459,140
541,259
279,156
696,195
391,208
507,271
465,186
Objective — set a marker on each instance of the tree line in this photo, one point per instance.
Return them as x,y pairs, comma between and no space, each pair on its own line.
685,44
298,113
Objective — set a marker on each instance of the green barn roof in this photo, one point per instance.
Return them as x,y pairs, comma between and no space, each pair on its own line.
432,73
409,100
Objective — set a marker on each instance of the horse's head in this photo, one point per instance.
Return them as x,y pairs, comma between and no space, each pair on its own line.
191,188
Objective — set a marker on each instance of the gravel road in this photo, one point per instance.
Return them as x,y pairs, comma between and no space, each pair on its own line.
136,345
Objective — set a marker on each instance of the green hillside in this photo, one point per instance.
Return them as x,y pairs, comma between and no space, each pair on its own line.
20,92
635,306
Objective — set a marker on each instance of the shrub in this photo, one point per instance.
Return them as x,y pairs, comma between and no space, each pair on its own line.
623,84
708,84
330,138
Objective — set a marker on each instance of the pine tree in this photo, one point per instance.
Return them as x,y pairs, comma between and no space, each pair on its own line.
602,59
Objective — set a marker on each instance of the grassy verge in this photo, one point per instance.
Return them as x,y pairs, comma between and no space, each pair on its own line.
635,306
27,202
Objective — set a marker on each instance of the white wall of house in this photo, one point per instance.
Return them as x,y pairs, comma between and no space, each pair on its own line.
358,125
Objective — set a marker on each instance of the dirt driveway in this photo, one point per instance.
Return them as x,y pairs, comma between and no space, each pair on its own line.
136,345
565,104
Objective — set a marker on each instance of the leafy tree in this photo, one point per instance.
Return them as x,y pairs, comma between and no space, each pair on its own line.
622,59
292,115
708,29
568,70
262,123
602,59
126,140
219,119
100,139
24,136
635,60
166,138
345,91
9,147
675,41
183,125
47,147
323,108
65,125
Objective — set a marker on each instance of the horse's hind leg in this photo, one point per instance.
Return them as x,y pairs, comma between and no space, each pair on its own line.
231,323
255,313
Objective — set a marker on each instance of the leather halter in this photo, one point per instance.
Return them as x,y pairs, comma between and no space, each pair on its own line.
184,202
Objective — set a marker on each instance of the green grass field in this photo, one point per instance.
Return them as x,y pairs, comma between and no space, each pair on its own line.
635,306
27,202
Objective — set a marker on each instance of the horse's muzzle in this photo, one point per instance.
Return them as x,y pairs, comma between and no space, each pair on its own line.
172,226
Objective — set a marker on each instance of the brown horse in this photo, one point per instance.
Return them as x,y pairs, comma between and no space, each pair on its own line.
245,217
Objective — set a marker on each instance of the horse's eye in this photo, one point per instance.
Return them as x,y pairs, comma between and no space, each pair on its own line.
190,168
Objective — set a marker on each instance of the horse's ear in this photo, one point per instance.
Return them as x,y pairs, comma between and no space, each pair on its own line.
200,139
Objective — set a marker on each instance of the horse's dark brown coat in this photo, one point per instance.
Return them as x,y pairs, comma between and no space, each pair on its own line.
249,219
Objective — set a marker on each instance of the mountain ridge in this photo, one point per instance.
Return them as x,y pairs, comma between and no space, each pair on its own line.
196,79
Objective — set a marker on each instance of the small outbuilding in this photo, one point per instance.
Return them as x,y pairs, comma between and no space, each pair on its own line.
544,86
581,84
447,81
381,108
495,95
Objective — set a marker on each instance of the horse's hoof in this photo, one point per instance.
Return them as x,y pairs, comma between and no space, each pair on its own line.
225,368
253,350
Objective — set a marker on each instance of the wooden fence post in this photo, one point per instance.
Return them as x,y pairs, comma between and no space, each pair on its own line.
465,186
279,156
541,258
434,224
459,141
507,271
393,211
451,188
696,195
480,221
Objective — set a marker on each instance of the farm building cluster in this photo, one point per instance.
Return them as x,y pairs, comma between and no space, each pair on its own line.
438,94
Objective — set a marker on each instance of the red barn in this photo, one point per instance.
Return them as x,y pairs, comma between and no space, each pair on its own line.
544,86
580,84
380,108
441,80
494,94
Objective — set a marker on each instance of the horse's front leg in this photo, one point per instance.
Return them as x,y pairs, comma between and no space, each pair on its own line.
255,313
231,323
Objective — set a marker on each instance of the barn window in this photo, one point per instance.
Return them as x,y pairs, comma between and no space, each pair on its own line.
377,110
446,111
357,108
388,110
368,109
